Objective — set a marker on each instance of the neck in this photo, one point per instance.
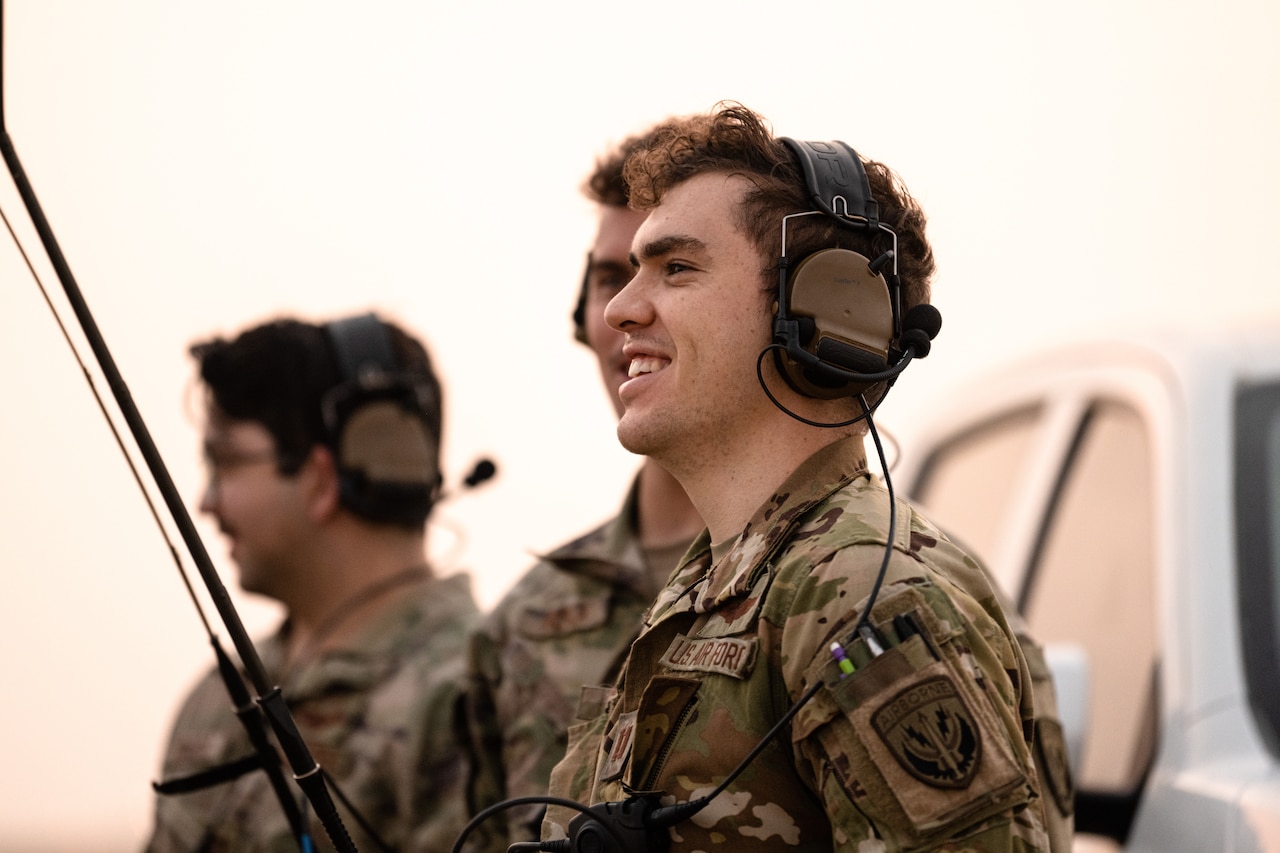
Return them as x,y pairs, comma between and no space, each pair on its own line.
355,578
728,490
666,516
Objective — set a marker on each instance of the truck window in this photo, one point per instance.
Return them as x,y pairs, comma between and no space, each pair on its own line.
968,484
1093,584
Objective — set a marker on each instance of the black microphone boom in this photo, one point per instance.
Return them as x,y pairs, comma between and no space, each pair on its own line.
483,471
919,328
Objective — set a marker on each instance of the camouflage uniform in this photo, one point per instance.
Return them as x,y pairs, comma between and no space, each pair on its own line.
568,622
377,717
926,746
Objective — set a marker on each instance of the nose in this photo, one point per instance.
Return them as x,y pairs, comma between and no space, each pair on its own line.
209,497
630,306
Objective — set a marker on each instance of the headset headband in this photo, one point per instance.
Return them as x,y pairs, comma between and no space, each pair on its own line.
836,181
388,467
362,347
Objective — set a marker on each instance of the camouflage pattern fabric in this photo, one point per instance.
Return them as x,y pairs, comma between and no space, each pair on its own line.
924,745
1050,752
1052,764
567,623
377,717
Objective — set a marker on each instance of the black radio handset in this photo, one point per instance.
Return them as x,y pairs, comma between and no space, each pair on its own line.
626,827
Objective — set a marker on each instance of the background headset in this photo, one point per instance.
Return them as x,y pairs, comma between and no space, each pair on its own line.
838,324
580,306
379,422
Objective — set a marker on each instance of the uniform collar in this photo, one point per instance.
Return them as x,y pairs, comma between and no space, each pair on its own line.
612,551
701,585
379,646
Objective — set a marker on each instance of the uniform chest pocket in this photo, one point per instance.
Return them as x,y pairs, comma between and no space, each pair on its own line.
568,617
642,739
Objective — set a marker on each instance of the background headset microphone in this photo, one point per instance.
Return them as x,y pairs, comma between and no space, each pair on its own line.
383,423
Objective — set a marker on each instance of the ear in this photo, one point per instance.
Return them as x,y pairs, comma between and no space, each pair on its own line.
319,475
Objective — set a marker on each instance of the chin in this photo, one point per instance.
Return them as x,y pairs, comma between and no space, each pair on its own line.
641,438
250,581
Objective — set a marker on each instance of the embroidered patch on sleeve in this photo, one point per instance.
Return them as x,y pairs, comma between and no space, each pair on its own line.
931,733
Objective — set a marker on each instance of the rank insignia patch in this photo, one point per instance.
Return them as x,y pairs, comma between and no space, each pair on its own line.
931,732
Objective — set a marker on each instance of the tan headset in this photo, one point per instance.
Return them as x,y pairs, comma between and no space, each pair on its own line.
838,315
379,422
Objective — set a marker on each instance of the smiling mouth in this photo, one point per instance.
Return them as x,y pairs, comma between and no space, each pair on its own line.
645,364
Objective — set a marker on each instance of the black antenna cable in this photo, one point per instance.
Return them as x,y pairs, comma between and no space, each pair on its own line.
269,698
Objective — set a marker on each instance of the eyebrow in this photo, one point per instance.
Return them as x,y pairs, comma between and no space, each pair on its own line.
611,266
666,245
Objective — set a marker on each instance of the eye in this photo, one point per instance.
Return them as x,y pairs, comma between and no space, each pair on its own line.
610,278
220,461
613,280
676,267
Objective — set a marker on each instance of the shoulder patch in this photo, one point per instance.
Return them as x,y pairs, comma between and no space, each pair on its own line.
931,733
1052,750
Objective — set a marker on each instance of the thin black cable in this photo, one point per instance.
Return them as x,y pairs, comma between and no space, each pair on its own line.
683,811
360,819
269,698
115,432
865,618
667,816
265,760
547,800
866,412
266,757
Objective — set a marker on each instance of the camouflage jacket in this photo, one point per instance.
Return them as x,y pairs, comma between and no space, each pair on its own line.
916,737
376,716
565,624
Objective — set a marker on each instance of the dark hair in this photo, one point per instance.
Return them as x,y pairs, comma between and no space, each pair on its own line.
605,185
734,140
278,373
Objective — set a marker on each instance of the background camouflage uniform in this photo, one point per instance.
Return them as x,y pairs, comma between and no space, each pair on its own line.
568,622
927,746
377,716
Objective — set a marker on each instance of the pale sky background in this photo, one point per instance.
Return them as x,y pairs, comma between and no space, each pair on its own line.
1090,165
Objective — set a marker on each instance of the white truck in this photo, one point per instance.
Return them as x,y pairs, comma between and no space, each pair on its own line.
1126,494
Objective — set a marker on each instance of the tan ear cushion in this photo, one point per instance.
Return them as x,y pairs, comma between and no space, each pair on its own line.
388,444
848,302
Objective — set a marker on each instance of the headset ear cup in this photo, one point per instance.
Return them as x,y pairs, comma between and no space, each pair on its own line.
386,452
851,312
388,443
388,459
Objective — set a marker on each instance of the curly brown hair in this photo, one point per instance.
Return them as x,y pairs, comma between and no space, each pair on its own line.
735,140
605,185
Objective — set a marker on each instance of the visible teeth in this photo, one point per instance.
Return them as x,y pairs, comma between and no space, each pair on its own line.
644,364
